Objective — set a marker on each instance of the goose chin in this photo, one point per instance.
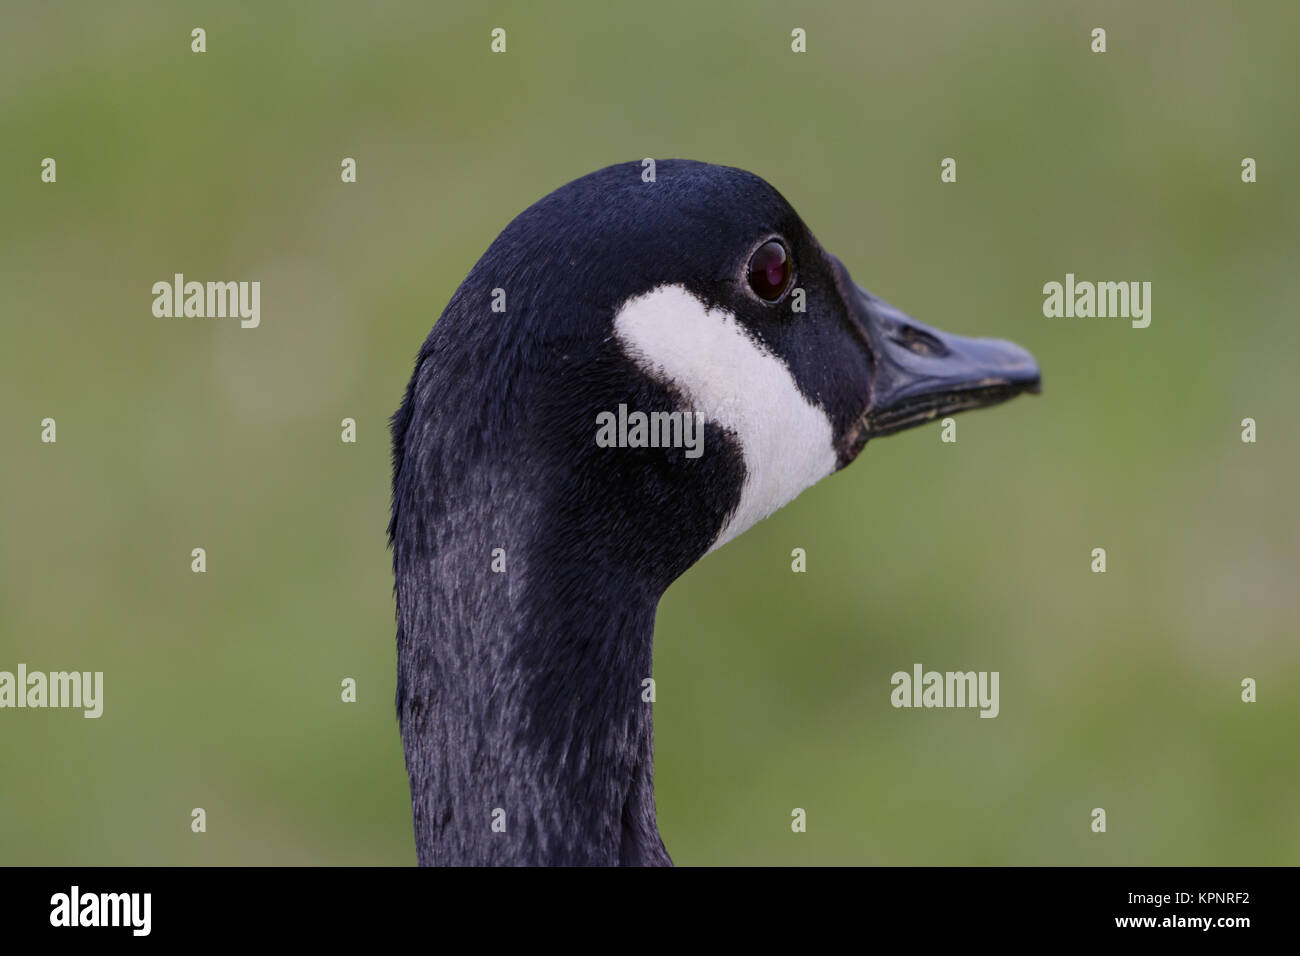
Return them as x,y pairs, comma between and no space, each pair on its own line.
913,411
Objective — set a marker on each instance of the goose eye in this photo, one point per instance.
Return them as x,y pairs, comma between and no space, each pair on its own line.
769,271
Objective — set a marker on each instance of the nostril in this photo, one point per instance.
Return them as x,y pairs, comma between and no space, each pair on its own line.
919,342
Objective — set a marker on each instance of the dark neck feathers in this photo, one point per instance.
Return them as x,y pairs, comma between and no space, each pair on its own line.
519,693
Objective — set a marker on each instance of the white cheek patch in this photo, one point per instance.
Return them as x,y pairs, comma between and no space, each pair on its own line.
788,442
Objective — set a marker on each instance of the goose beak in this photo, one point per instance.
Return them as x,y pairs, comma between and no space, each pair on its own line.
920,373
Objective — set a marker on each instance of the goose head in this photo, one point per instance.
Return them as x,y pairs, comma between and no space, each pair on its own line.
534,527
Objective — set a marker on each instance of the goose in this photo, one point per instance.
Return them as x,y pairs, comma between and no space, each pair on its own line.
529,558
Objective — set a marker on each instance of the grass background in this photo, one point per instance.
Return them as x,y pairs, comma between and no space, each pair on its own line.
1118,690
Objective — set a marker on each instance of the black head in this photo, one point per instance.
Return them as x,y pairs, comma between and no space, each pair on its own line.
700,295
700,290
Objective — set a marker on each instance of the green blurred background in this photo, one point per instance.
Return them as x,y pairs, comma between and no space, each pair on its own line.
222,689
